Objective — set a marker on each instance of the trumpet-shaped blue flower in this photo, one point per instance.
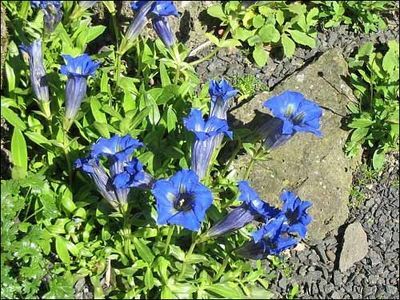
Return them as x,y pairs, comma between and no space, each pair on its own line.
252,208
133,176
220,93
271,238
52,13
117,150
77,69
182,200
157,11
295,211
101,179
208,135
297,115
37,70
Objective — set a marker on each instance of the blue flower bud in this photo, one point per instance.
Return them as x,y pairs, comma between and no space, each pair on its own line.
37,70
52,13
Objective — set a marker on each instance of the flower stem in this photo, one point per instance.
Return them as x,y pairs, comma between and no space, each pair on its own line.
170,233
221,269
177,57
252,161
188,254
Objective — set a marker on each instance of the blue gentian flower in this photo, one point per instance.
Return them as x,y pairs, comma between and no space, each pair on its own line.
208,135
52,13
157,11
252,208
281,232
182,200
117,150
77,69
295,211
270,239
37,70
158,8
101,179
133,176
220,93
297,114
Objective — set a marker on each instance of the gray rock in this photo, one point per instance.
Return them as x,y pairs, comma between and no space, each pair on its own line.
331,255
336,295
337,278
355,246
315,168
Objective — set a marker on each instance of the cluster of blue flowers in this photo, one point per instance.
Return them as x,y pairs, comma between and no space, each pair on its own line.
182,199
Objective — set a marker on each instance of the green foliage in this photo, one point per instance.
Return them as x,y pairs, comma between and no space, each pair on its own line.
57,232
375,117
360,15
266,25
249,85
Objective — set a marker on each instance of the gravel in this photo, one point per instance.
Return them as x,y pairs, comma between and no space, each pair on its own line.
231,63
376,276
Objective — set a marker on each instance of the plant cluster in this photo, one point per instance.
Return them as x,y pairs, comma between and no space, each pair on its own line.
115,180
265,25
375,116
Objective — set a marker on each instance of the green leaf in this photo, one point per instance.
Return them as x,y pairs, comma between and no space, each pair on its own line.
62,250
366,49
227,290
12,118
217,12
312,16
171,119
280,17
258,21
269,33
288,45
302,38
67,200
360,123
230,43
149,279
260,56
378,159
10,77
143,250
213,39
359,134
243,34
19,154
94,32
95,107
38,139
164,75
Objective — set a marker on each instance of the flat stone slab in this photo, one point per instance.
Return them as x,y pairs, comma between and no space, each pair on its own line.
315,168
355,246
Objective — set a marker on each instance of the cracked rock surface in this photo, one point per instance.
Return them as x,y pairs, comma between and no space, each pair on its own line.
315,168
